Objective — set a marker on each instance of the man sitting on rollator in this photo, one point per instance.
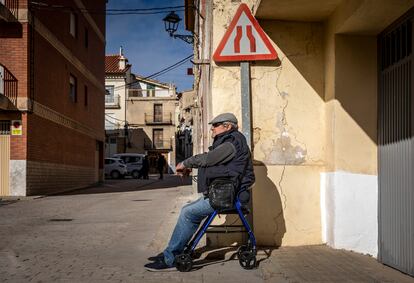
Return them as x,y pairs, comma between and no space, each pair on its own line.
229,157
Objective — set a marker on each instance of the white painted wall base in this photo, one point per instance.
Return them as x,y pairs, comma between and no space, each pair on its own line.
349,211
18,172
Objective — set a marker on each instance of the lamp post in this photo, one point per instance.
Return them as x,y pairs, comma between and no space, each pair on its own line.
171,22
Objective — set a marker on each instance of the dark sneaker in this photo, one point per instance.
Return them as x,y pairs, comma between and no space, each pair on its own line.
157,257
159,265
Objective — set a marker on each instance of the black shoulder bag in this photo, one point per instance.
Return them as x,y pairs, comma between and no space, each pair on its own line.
222,192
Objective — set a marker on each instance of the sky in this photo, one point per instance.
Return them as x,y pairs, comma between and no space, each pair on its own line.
146,44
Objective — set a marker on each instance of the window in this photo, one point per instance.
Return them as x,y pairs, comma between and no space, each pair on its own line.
158,138
109,95
5,127
73,88
1,80
73,25
110,122
86,95
86,38
133,159
157,112
151,90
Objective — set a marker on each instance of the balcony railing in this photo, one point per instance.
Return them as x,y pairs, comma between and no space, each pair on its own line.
8,85
165,119
112,101
158,144
9,10
142,93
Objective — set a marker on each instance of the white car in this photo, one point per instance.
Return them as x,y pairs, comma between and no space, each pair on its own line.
133,162
115,168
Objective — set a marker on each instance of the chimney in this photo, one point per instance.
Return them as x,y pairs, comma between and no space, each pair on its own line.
122,59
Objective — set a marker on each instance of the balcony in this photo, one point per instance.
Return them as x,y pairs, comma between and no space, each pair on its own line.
8,90
158,119
9,10
149,93
112,102
166,144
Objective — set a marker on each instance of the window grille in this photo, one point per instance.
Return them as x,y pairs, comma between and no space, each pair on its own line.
5,127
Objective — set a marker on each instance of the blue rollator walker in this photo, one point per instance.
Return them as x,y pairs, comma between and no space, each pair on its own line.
246,253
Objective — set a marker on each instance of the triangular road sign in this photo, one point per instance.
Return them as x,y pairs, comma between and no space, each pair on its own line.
244,40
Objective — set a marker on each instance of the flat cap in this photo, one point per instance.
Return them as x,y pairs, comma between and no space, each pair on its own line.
225,117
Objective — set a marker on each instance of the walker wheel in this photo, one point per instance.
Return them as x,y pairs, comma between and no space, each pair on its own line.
183,262
247,258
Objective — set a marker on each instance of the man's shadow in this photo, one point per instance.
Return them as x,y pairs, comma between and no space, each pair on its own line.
266,219
268,206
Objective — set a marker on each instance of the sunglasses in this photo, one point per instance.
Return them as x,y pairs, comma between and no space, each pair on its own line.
215,125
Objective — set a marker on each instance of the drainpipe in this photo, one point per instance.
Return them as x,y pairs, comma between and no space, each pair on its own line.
125,117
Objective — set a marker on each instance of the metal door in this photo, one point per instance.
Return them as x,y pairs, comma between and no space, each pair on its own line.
4,158
158,135
158,113
396,151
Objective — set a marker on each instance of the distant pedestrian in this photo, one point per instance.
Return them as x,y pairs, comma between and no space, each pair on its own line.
160,165
145,168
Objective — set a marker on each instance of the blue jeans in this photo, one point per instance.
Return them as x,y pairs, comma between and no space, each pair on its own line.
188,222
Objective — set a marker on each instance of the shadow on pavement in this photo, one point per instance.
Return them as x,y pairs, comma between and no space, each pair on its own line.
6,202
219,256
132,185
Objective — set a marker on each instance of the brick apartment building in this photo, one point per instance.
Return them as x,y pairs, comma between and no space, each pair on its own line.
51,95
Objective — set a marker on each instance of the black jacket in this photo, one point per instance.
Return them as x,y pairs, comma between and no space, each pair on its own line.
229,156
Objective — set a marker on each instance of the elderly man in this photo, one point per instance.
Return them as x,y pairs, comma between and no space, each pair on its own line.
230,157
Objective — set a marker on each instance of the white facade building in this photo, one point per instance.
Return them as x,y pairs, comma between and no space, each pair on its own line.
118,79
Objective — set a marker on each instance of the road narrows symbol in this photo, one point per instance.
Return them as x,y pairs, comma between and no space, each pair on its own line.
239,35
237,39
251,39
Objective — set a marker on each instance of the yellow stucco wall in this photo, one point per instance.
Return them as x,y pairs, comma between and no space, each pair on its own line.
355,116
314,110
288,121
350,95
286,205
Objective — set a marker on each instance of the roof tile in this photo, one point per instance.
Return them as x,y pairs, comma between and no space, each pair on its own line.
112,64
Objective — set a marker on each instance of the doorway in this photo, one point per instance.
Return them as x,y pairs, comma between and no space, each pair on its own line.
4,158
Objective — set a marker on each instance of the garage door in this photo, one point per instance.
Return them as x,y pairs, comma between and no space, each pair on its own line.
396,150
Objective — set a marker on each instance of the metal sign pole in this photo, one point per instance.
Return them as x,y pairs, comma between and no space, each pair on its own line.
245,102
246,116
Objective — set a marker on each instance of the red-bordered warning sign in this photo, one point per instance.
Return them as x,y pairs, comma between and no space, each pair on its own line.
244,40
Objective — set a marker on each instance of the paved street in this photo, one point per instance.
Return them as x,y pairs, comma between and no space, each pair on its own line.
106,233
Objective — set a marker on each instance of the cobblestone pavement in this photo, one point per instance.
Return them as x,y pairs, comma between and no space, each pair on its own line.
106,233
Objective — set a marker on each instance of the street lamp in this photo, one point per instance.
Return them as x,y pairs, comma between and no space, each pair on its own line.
171,22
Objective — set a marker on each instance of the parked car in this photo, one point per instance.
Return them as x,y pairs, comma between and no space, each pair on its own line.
133,162
115,168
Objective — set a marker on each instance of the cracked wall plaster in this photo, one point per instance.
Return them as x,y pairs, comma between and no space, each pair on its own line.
286,104
284,153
